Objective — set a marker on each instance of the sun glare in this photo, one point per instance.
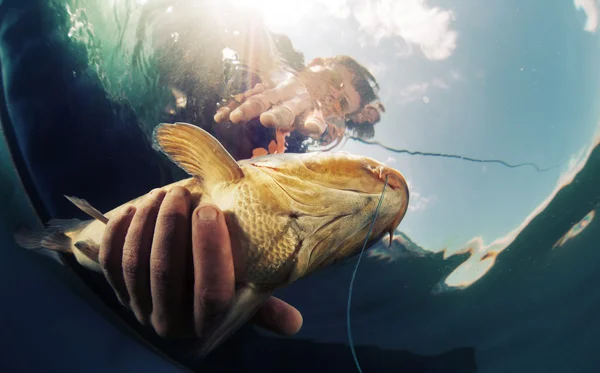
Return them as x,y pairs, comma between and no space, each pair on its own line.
278,14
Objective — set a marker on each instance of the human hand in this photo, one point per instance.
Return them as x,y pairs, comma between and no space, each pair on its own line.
307,97
145,255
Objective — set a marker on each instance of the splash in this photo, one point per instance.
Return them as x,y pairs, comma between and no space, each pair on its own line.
351,288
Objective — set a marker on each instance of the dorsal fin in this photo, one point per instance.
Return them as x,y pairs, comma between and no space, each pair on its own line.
197,152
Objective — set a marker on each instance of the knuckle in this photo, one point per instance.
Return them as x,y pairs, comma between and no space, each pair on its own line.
255,103
172,214
152,199
131,267
160,271
214,248
216,298
179,193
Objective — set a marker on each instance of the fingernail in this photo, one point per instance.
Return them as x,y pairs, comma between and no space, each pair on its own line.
178,191
207,213
268,119
236,115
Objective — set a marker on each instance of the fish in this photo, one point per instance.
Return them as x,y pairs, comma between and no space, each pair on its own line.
288,215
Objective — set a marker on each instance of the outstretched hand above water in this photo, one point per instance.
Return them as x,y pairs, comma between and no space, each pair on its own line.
277,107
146,258
324,91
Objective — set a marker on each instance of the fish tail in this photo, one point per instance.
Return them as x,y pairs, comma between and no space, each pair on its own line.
53,237
50,238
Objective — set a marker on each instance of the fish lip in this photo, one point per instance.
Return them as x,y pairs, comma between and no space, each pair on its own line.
395,181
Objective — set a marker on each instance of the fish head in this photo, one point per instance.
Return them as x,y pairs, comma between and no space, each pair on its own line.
332,199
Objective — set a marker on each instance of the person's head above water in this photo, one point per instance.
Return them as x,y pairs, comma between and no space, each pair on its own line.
352,86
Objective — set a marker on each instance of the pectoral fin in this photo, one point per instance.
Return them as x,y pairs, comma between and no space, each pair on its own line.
88,248
246,302
197,152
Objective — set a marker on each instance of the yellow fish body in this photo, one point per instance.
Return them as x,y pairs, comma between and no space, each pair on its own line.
287,214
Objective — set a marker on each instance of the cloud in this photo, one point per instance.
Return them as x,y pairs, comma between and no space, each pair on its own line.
419,202
590,7
413,92
408,23
440,83
416,92
337,8
377,68
410,20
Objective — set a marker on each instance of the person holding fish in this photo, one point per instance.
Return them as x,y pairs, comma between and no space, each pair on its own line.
154,289
172,256
315,101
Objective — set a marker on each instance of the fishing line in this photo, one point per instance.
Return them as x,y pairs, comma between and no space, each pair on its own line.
443,155
350,340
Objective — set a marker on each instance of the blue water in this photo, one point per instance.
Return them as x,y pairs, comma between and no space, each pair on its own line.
79,117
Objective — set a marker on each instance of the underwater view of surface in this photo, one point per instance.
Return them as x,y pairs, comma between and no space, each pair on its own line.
479,119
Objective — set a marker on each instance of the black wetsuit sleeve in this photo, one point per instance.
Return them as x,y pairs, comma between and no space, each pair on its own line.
73,138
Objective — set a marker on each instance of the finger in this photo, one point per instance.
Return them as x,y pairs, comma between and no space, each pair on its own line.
214,282
111,252
283,116
278,317
223,112
168,263
136,255
314,125
253,107
258,104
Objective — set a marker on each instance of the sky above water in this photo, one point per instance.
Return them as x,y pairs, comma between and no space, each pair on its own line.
509,80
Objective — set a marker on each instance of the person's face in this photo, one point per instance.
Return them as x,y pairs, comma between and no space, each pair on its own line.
371,115
349,97
335,90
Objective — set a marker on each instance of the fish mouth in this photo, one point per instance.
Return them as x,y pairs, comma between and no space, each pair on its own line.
396,181
395,184
315,184
392,177
377,176
334,197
